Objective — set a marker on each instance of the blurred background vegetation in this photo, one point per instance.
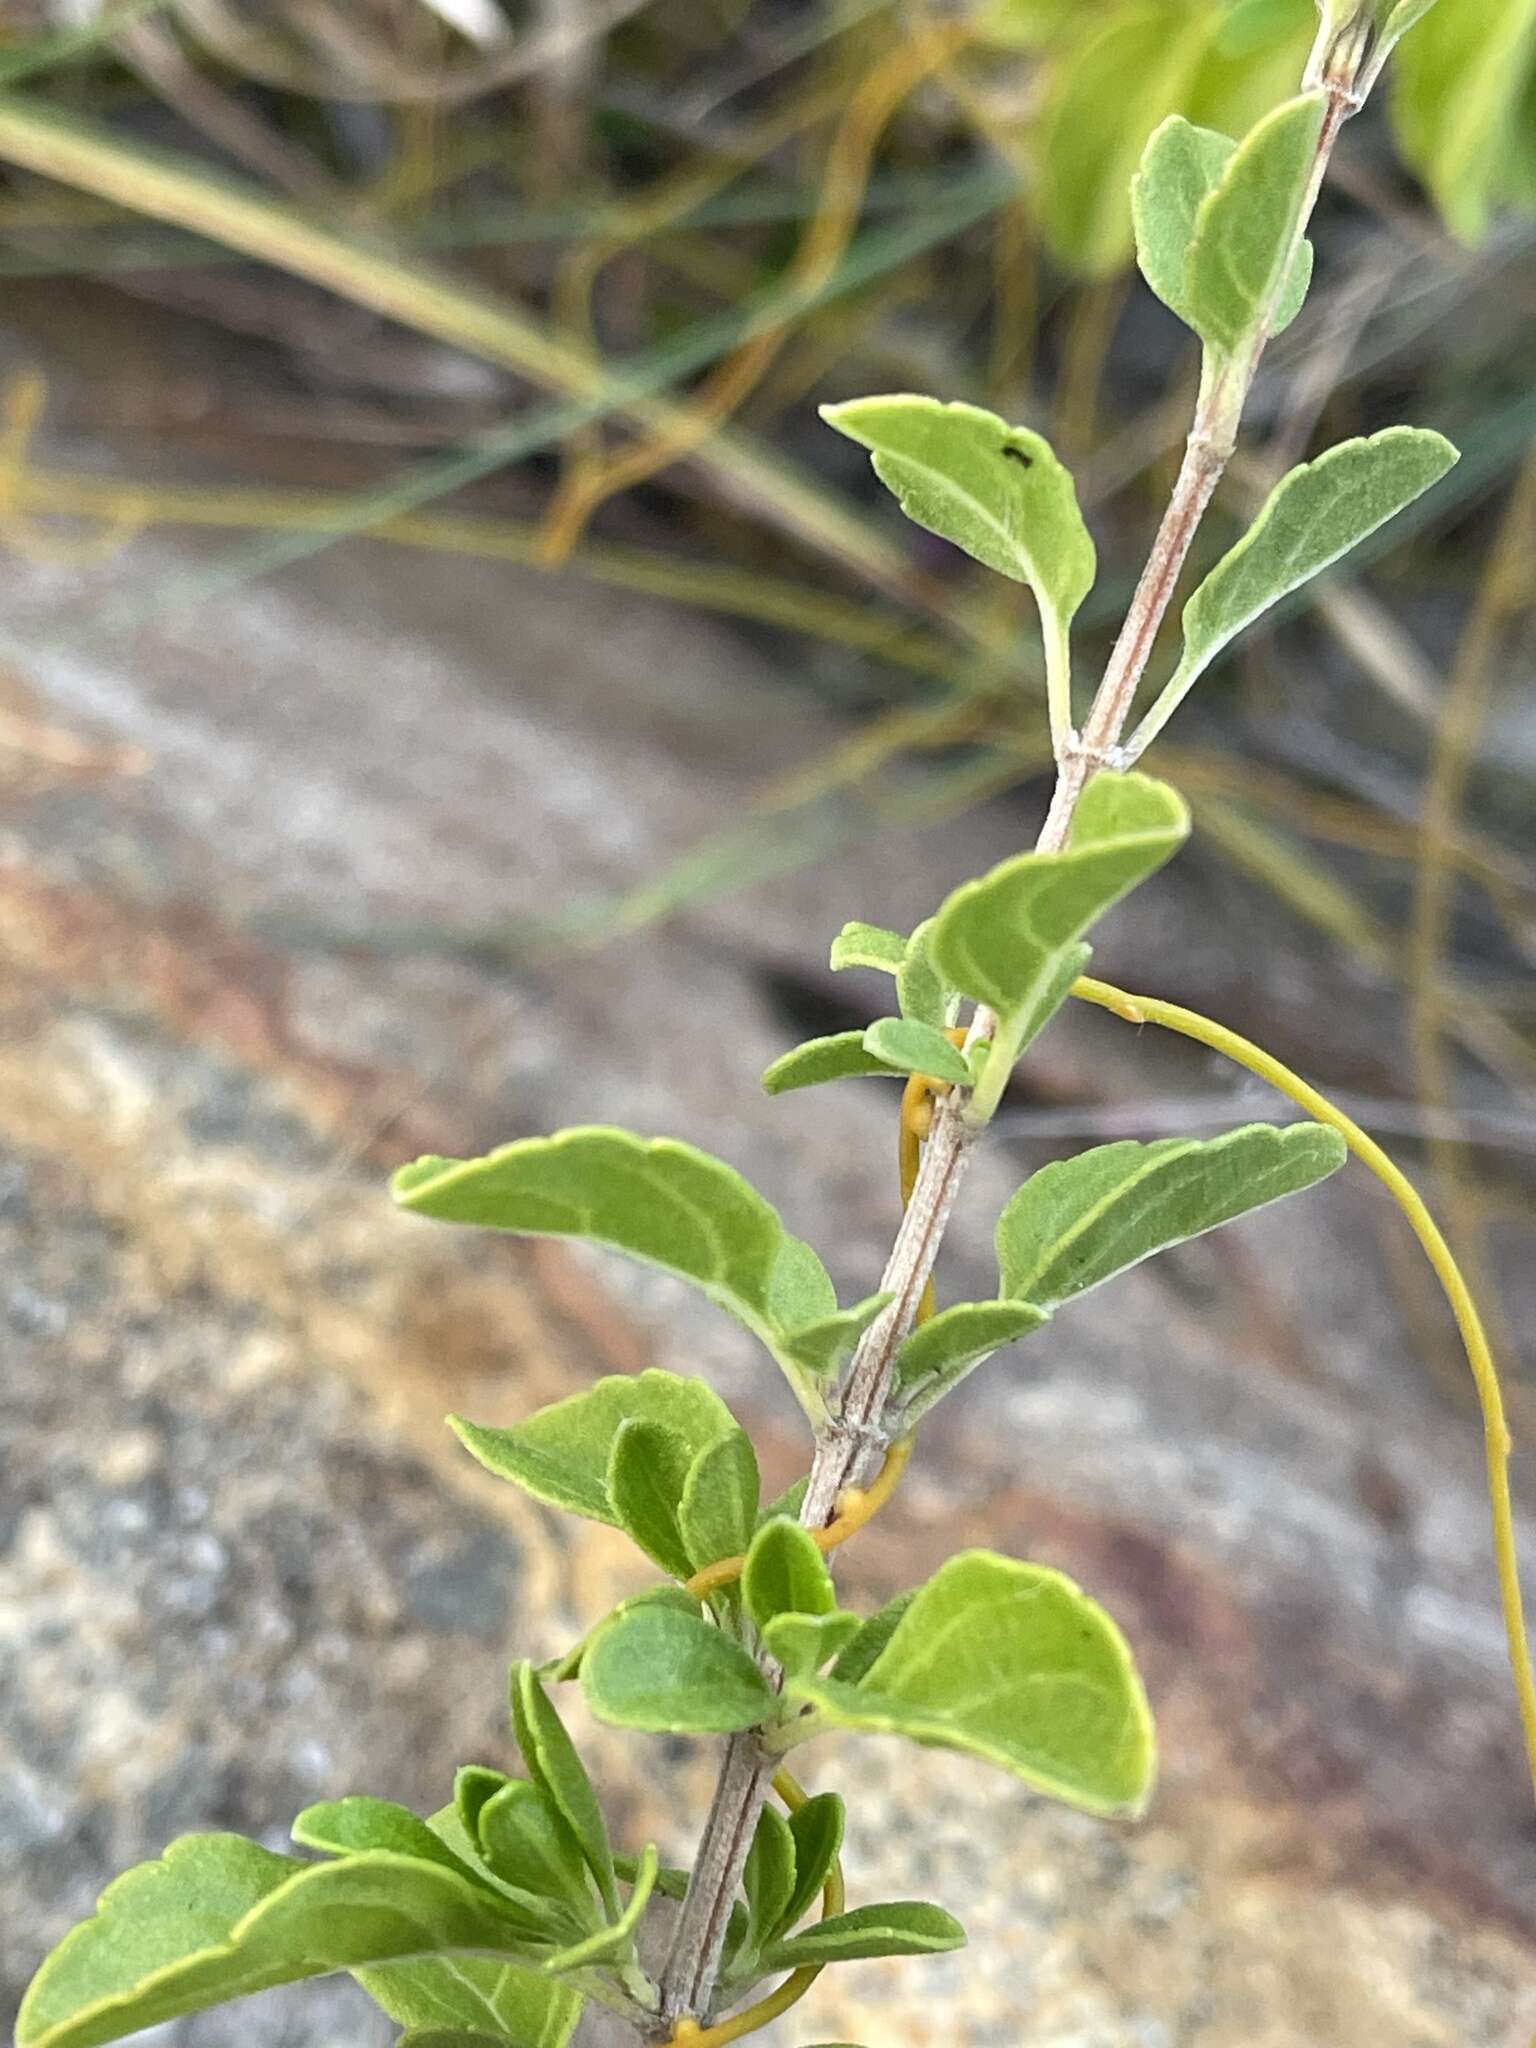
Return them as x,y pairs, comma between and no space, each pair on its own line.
655,233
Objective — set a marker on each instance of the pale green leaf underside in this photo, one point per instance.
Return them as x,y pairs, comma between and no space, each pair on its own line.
1000,938
661,1201
902,1927
1182,165
841,1057
1079,1221
994,490
470,1996
217,1918
718,1510
913,1048
1011,1663
616,1941
560,1454
1245,228
804,1642
1312,518
662,1671
868,945
939,1354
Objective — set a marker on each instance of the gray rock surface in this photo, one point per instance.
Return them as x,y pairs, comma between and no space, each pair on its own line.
241,1565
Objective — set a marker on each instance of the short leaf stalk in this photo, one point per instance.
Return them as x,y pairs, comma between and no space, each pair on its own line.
502,1916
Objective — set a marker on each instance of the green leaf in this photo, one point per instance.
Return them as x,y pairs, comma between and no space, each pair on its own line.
473,1785
939,1354
1080,1221
562,1453
1311,518
471,1998
789,1502
1000,939
347,1827
662,1671
718,1511
557,1770
560,1670
817,1828
615,1942
1245,236
646,1475
769,1878
821,1347
661,1201
804,1642
1011,1663
996,491
1461,108
854,1662
217,1917
921,992
801,1289
528,1843
785,1573
841,1057
1103,98
446,2037
913,1048
902,1927
868,945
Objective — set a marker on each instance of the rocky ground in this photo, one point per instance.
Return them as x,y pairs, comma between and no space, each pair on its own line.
243,971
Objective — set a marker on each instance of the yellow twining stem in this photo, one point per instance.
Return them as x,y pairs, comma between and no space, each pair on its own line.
1485,1377
856,1505
22,405
689,2034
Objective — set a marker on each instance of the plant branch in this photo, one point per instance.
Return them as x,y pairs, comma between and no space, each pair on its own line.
849,1444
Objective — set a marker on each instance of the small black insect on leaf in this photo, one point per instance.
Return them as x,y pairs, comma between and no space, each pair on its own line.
1018,455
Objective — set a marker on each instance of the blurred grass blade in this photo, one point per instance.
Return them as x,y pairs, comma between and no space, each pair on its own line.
169,188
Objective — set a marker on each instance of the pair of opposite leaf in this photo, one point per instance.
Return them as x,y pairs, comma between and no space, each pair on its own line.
1216,237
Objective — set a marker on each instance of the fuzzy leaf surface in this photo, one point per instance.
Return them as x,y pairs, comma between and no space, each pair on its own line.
873,1635
996,491
785,1573
616,1941
472,1998
868,945
1011,1663
902,1927
1079,1221
913,1048
661,1201
1244,240
1311,519
528,1843
556,1768
351,1826
666,1672
647,1471
717,1514
562,1453
1182,166
1000,939
817,1828
769,1878
922,995
217,1918
939,1354
841,1057
804,1642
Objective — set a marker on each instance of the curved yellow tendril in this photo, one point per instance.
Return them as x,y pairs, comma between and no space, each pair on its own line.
1485,1377
856,1505
689,2034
